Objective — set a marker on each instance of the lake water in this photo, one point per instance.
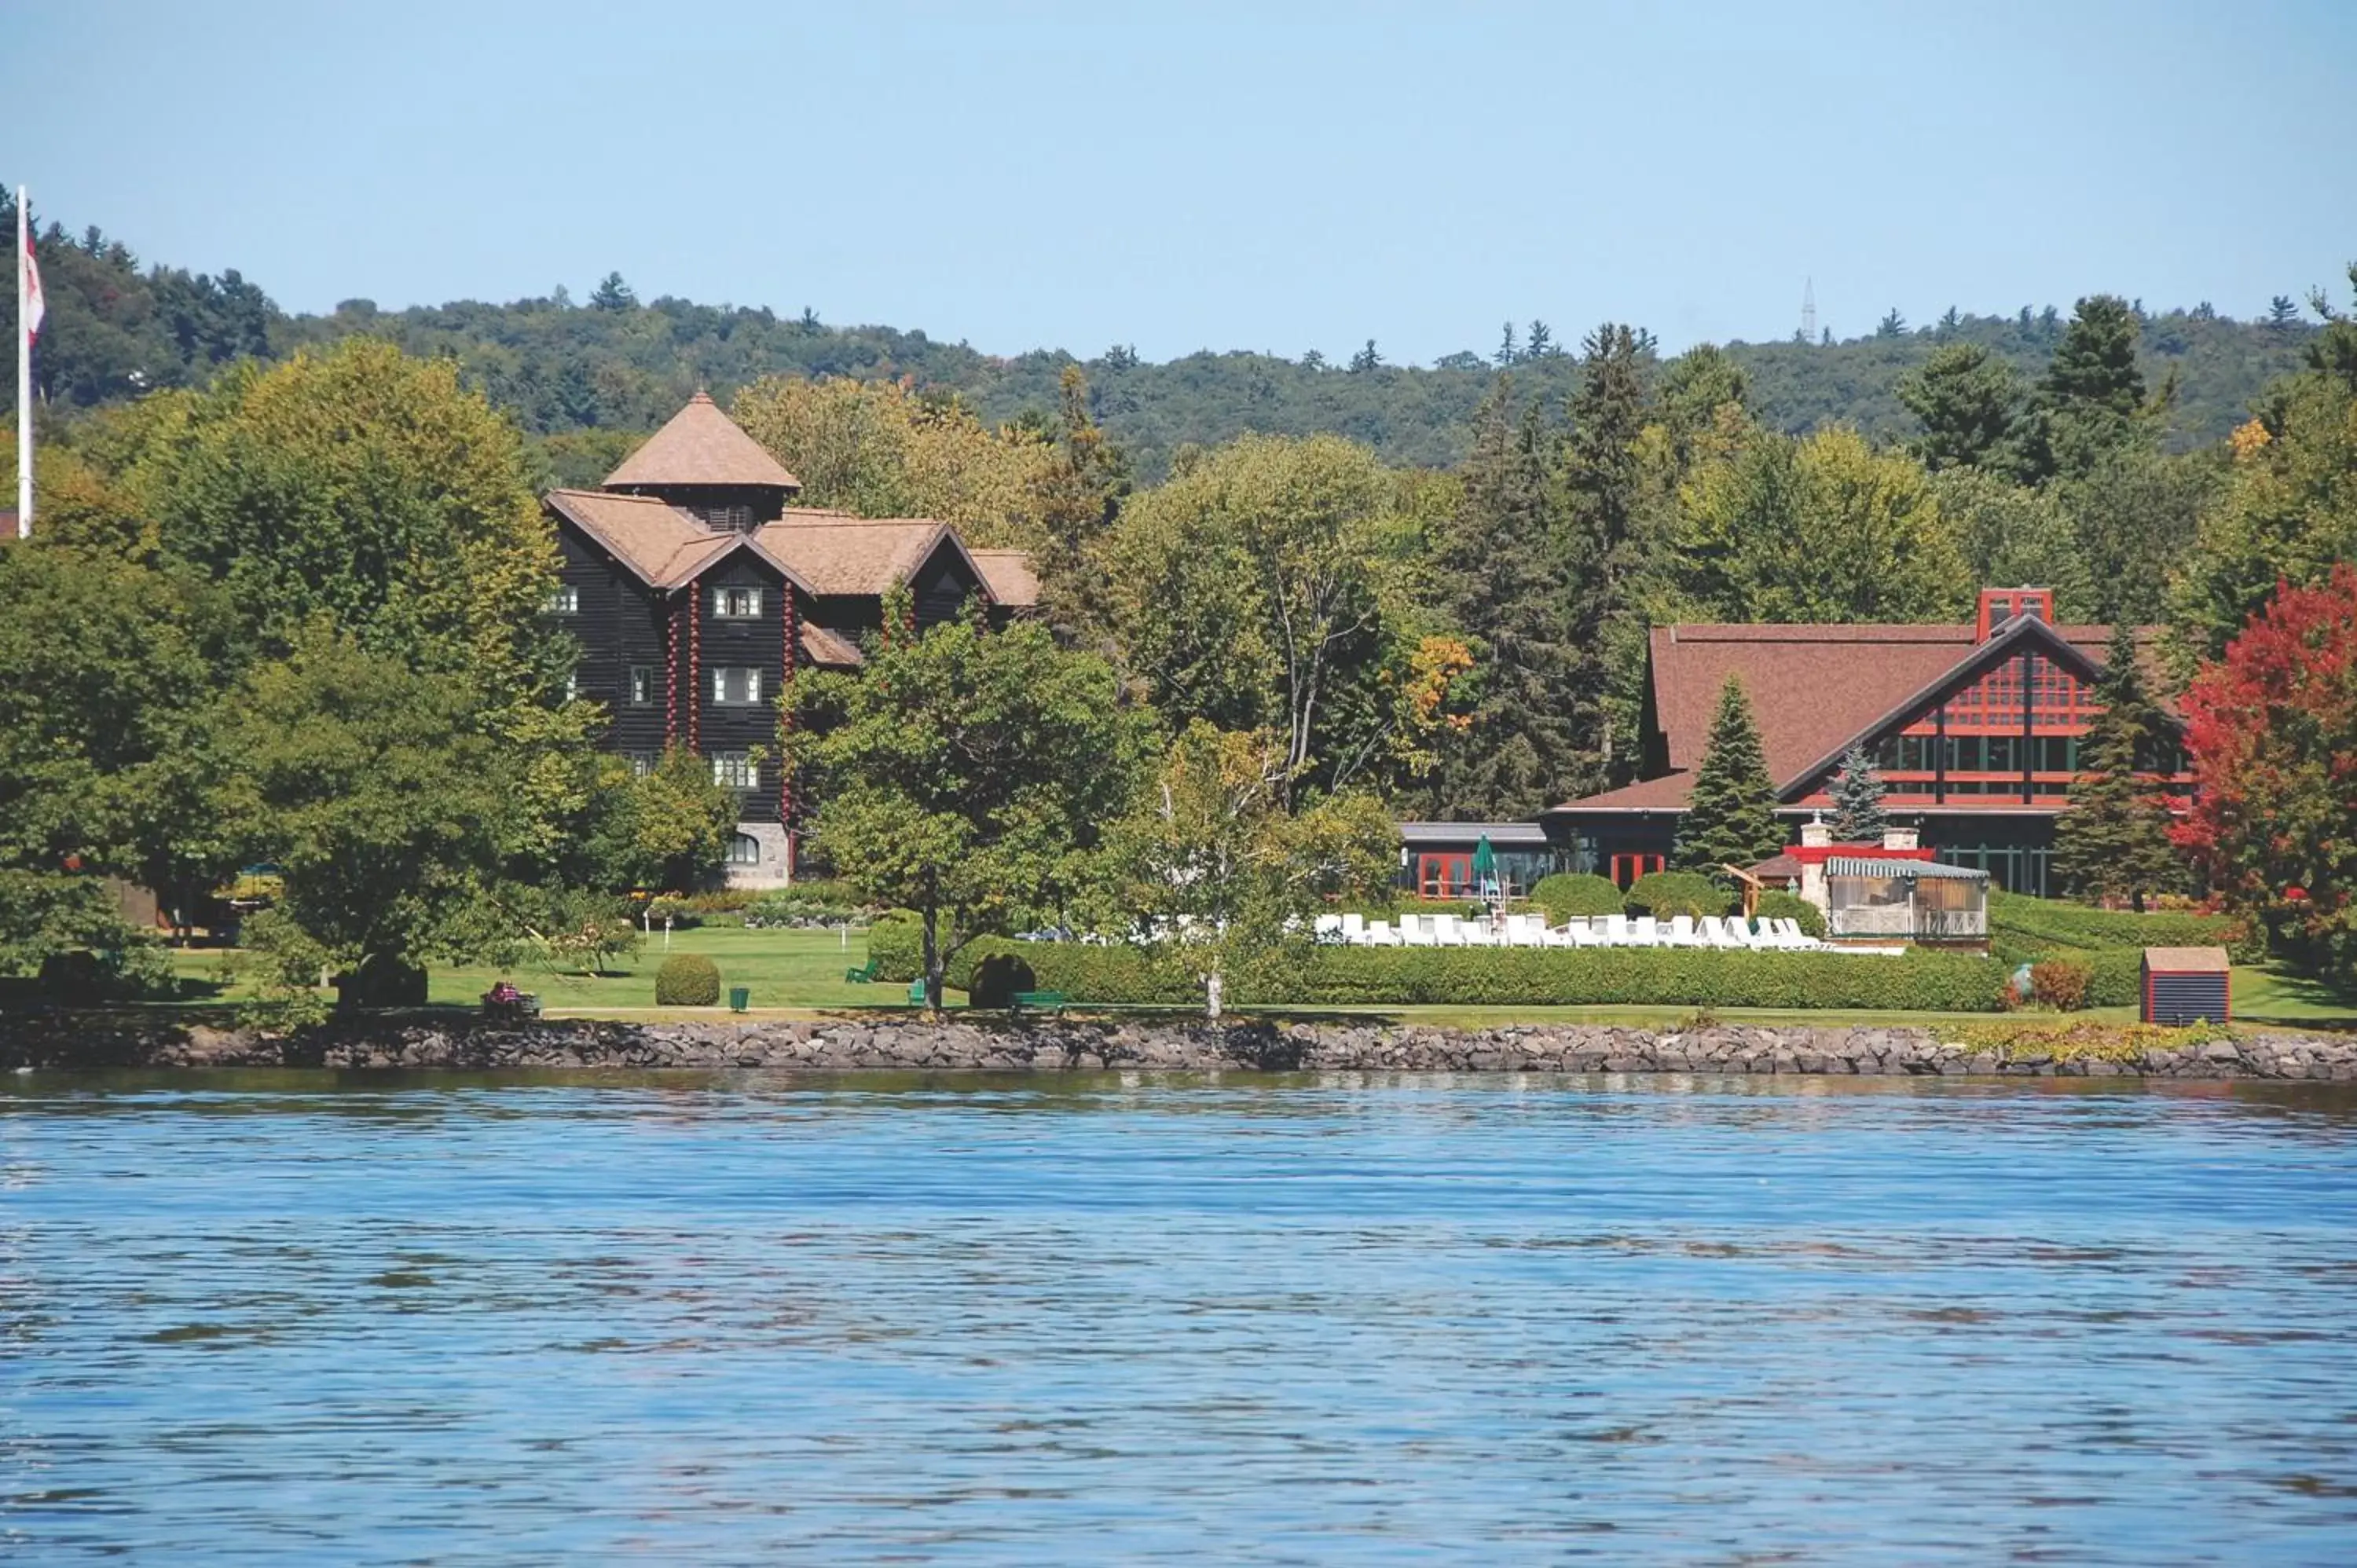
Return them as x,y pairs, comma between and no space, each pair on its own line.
260,1318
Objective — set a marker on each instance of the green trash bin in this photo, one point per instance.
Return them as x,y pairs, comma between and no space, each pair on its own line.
739,998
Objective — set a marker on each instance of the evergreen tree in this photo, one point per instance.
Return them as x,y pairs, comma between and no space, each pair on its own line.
2113,841
1730,817
1891,326
1507,354
1604,491
1366,360
1858,816
1542,340
2092,394
1078,494
1504,558
2282,314
613,295
1968,402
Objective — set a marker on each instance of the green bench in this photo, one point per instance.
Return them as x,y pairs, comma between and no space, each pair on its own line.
1039,1001
916,993
864,974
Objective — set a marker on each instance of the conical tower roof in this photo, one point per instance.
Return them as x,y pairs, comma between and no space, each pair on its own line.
701,446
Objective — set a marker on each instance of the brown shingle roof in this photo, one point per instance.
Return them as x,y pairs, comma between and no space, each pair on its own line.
662,544
701,446
852,557
1812,687
834,650
1008,573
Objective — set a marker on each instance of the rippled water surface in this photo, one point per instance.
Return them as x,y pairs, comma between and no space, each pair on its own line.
312,1318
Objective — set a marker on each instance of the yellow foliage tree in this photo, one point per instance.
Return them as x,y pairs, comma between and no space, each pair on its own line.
879,449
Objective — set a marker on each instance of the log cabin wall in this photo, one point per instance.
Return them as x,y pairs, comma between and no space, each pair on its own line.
741,651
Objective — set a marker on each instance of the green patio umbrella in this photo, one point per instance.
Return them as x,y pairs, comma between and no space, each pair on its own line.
1485,862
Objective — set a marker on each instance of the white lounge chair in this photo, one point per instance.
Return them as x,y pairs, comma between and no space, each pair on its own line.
1447,932
1328,928
1380,935
1354,929
1614,929
1680,933
1644,931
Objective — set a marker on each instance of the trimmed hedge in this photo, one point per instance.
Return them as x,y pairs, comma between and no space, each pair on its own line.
1325,976
687,979
896,942
1572,896
1667,894
2042,923
1781,905
2117,976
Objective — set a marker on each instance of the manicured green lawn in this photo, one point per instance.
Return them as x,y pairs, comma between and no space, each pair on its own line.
2267,996
801,971
783,969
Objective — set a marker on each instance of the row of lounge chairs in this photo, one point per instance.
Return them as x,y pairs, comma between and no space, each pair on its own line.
1598,931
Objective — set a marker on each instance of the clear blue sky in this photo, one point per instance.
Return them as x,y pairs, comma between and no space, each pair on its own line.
1206,176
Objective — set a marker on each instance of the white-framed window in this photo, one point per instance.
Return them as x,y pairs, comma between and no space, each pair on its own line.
736,686
566,601
643,685
643,763
744,849
736,604
572,684
733,770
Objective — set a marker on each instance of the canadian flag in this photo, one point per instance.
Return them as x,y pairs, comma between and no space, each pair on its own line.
33,307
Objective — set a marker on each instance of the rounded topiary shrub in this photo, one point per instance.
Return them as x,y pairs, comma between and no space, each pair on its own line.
896,942
687,979
1665,895
1792,906
996,977
1575,896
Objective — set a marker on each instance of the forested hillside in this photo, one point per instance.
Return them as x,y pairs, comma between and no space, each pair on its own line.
610,363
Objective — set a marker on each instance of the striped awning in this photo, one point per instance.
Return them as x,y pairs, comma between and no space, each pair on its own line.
1862,865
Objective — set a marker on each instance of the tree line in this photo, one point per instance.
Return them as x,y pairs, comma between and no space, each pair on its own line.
579,375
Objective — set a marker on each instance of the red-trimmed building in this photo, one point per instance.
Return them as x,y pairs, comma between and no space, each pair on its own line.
1975,729
697,591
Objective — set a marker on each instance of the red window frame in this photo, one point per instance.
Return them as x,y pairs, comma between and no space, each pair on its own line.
1627,868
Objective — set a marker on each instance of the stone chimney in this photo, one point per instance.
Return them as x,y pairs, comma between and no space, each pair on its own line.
1899,838
1815,834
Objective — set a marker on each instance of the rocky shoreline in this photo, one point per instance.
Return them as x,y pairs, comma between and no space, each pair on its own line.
441,1042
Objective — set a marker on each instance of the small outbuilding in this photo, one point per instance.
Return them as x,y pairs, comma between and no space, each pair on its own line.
2184,986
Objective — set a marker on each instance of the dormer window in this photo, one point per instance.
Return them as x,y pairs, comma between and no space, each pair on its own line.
1999,606
736,604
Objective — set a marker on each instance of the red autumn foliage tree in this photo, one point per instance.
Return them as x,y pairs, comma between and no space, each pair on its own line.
2273,732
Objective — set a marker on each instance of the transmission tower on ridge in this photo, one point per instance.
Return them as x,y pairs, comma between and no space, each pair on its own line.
1808,310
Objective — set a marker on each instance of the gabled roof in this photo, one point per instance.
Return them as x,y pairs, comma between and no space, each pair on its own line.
1816,689
2004,641
663,546
1008,573
1812,688
860,557
701,446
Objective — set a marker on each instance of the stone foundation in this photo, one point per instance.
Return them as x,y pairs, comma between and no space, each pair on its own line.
75,1041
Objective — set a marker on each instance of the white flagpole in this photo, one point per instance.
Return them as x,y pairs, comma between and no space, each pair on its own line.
23,376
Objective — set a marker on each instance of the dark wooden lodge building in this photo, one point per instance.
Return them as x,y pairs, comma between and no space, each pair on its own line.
1975,729
697,591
